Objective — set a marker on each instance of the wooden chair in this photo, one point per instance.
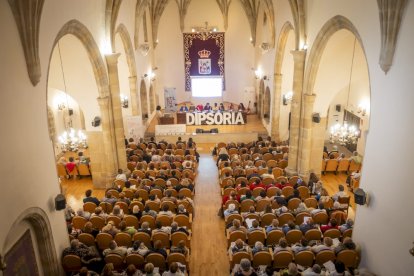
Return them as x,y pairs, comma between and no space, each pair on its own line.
79,222
185,192
245,205
343,165
241,179
282,164
320,218
72,263
116,220
282,259
262,258
293,203
61,170
237,257
143,237
184,221
284,218
267,219
332,233
97,222
116,260
235,235
348,257
160,182
149,219
133,203
131,221
231,217
261,204
339,216
331,165
277,172
136,259
89,207
324,256
228,202
300,217
176,237
171,205
153,205
274,236
157,260
106,207
267,156
84,169
179,258
304,192
103,240
313,235
328,204
165,220
164,238
87,239
119,183
227,191
347,233
272,191
114,193
157,192
123,206
129,194
353,167
293,236
287,191
256,235
123,239
305,258
293,180
256,191
267,181
143,194
311,202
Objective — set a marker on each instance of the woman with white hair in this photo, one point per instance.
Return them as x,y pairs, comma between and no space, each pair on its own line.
258,247
230,210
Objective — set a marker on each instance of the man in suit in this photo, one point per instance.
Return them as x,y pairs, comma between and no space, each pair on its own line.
90,198
184,108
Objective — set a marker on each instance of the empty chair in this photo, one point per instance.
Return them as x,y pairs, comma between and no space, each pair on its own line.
79,222
331,165
313,235
83,169
123,239
304,258
304,192
277,172
61,170
271,163
343,165
353,167
282,164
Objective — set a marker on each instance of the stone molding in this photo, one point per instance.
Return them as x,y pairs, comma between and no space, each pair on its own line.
182,10
111,15
224,6
251,8
139,14
27,14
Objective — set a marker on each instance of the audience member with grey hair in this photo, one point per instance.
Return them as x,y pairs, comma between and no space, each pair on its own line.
245,269
230,210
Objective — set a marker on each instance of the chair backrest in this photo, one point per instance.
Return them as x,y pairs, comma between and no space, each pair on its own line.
84,169
185,192
300,217
324,256
305,258
293,236
267,180
293,180
61,170
165,220
89,207
304,192
103,240
149,219
311,202
86,239
163,237
71,263
254,236
153,205
123,206
171,205
262,258
293,203
277,172
116,260
261,205
274,236
267,219
282,259
116,220
245,205
313,235
131,221
97,222
331,165
235,235
332,233
347,233
287,191
178,258
343,165
123,239
256,191
119,183
143,194
320,218
232,217
143,237
106,207
156,192
178,236
136,259
157,260
183,221
238,256
282,164
348,257
133,203
79,222
284,218
272,191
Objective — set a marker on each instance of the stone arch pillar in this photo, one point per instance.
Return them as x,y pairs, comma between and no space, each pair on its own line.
260,102
152,98
266,105
102,173
333,25
38,220
144,100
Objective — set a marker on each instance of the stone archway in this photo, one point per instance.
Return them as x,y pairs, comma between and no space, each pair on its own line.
260,103
266,105
39,222
277,80
152,98
105,165
144,100
314,142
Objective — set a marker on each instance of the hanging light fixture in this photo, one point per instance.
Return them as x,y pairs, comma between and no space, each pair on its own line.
70,139
345,134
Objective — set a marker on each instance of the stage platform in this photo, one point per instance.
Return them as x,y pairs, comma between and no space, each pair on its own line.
226,133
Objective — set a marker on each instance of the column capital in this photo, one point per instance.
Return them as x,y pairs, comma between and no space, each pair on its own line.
103,101
132,78
309,99
298,55
112,58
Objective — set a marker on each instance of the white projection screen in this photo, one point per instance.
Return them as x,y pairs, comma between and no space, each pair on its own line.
202,87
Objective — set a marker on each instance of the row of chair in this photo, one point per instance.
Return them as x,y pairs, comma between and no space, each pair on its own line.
80,169
79,222
306,258
144,194
343,165
292,236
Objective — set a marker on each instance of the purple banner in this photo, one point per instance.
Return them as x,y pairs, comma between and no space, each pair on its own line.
203,56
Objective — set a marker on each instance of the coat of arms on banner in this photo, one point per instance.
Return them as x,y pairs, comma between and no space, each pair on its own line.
204,63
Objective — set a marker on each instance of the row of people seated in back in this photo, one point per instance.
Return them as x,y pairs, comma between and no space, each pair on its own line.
216,107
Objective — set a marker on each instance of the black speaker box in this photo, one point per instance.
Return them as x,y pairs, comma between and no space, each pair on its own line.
60,202
70,111
338,107
199,130
316,118
360,196
214,130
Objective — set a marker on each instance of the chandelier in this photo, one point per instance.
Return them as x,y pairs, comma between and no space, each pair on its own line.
345,134
70,139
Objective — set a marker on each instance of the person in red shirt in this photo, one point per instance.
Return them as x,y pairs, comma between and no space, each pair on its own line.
331,225
200,107
257,184
70,166
232,196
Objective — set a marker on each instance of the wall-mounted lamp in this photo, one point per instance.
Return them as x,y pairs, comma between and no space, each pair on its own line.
124,101
265,47
258,73
61,106
287,98
362,108
144,76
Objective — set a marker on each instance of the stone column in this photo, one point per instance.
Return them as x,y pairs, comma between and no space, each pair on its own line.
118,125
134,96
107,168
277,88
306,136
295,110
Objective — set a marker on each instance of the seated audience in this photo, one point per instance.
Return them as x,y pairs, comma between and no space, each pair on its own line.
159,249
258,247
138,247
180,248
90,198
326,245
115,249
173,270
282,246
273,226
238,246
